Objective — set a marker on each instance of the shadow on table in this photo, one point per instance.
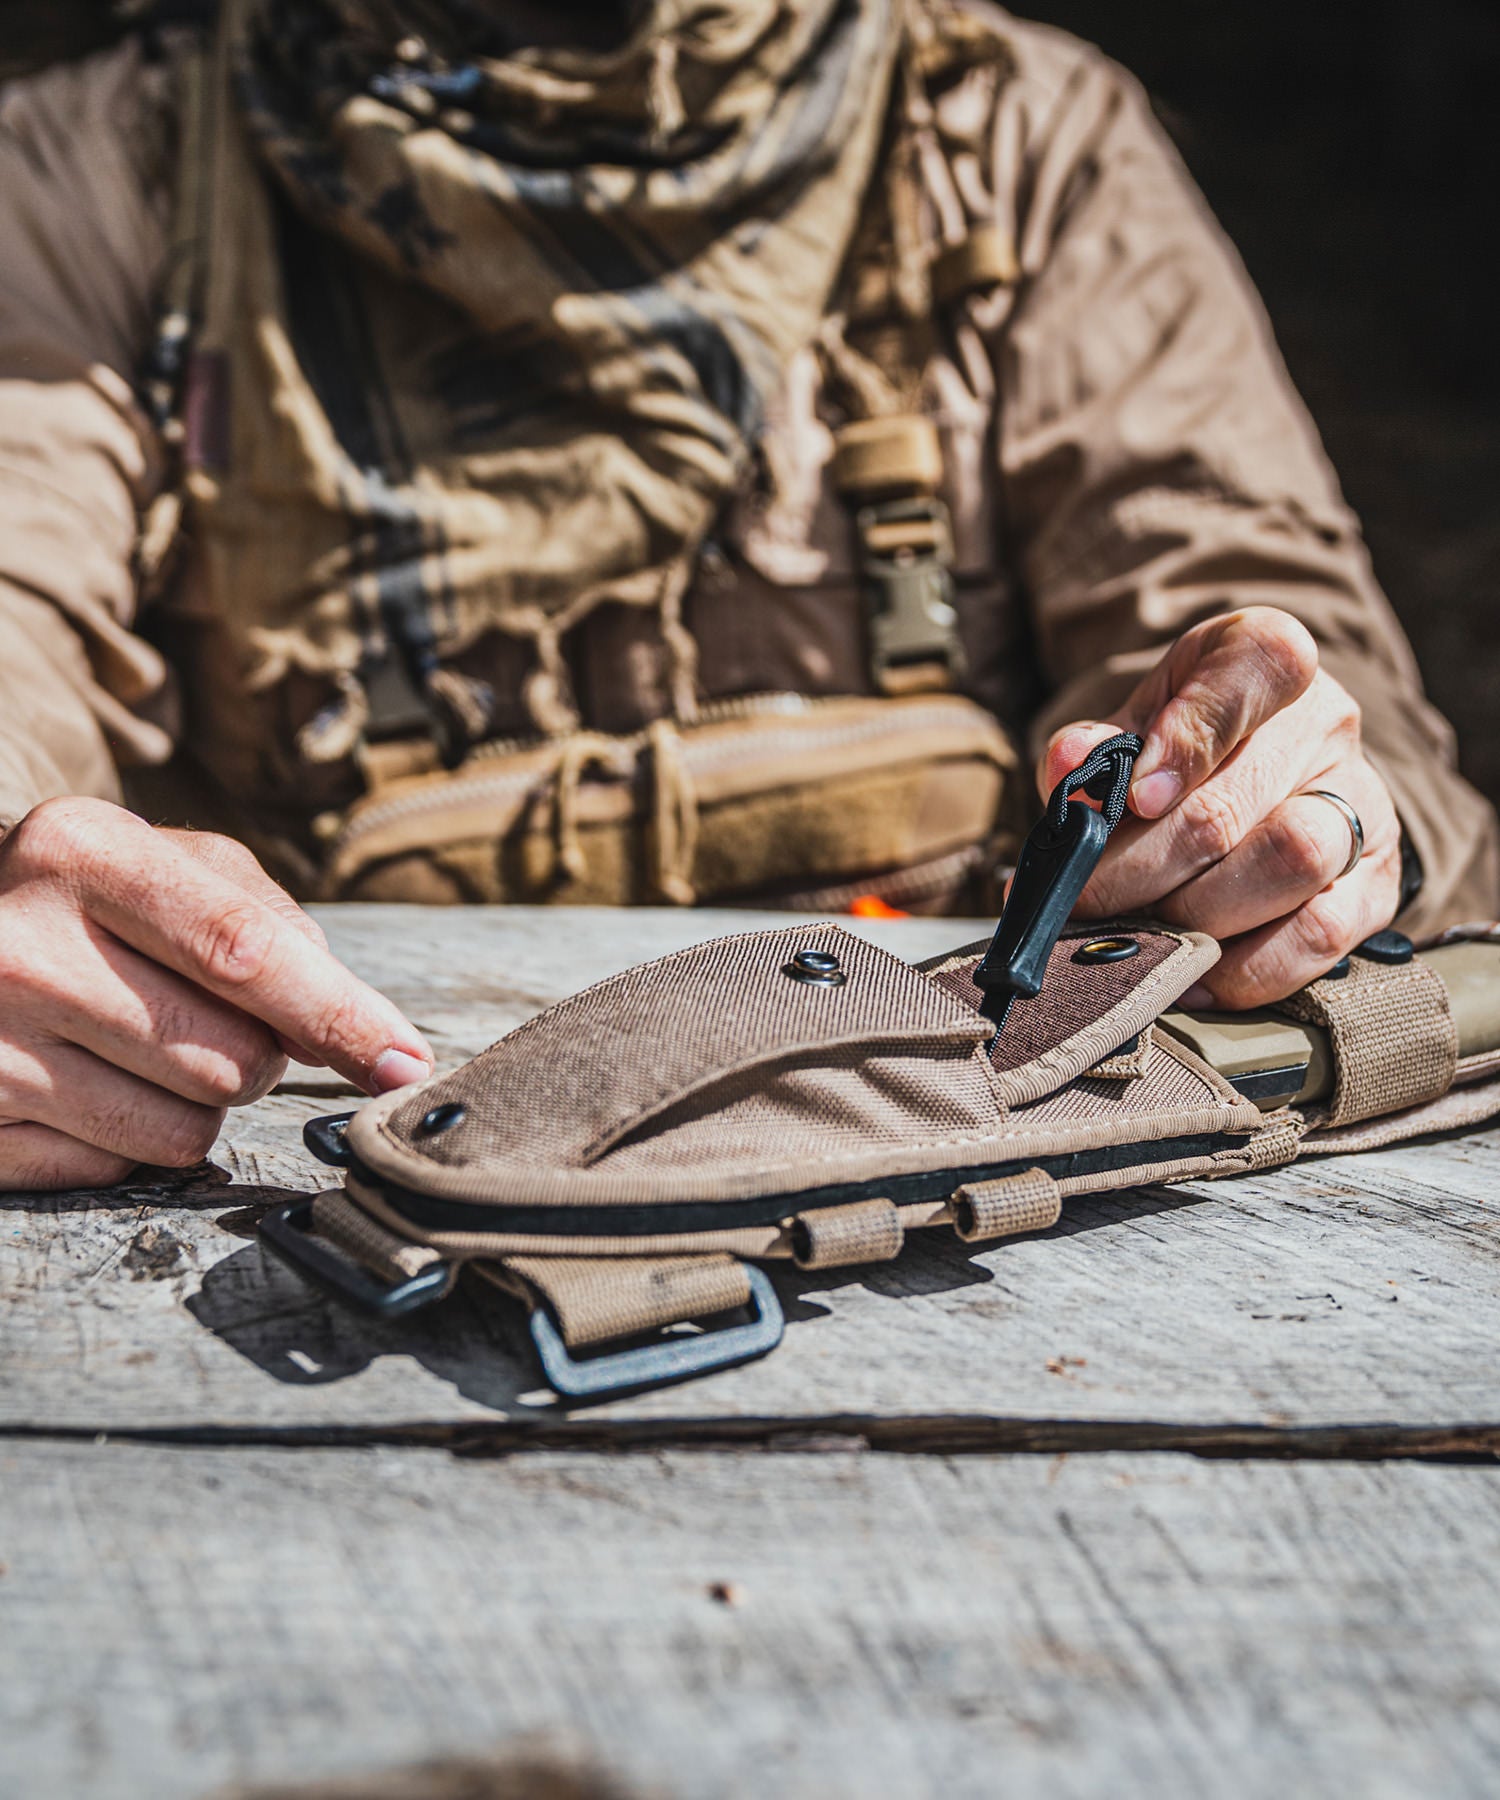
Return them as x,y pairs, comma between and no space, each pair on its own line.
297,1335
200,1187
477,1339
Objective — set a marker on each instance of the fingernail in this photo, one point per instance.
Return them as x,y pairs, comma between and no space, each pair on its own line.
1156,793
1197,998
395,1069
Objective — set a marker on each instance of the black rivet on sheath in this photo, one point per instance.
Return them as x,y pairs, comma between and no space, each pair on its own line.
442,1118
1339,970
1386,947
1107,950
818,968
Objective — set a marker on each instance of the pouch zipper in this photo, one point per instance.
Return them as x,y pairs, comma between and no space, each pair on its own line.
485,783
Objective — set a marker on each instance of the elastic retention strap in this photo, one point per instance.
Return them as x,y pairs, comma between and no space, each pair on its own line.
1104,775
1392,1035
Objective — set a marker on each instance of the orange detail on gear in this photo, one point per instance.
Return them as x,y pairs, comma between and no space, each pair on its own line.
871,906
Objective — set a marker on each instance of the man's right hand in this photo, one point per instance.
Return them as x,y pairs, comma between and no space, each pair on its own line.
148,980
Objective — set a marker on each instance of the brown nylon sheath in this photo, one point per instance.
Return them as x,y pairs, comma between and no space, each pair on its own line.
1392,1035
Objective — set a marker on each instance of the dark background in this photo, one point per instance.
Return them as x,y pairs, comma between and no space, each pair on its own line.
1352,152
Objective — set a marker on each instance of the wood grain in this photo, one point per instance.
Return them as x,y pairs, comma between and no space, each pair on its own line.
733,1624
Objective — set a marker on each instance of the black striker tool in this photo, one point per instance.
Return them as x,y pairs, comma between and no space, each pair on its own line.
1056,862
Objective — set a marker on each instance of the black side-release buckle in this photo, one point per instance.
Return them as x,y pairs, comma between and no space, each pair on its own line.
905,558
672,1359
288,1232
1055,864
324,1137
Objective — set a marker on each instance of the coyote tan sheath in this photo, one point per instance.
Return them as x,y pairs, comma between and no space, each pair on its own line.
623,1160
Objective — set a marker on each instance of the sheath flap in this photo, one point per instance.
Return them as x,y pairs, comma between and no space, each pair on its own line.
1105,985
562,1089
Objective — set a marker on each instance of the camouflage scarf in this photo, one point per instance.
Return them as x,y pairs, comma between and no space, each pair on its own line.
579,276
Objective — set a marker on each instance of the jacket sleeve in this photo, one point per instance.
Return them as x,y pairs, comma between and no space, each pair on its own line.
1158,466
83,201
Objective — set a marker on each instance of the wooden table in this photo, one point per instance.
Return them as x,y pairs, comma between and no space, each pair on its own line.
1193,1494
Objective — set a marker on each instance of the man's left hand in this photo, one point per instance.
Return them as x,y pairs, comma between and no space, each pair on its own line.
1224,834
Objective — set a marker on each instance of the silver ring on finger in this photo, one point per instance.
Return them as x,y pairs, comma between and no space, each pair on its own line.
1351,819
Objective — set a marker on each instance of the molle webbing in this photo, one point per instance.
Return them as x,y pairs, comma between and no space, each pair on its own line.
1031,1201
834,1237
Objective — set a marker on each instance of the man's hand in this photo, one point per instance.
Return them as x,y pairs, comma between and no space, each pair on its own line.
150,979
1240,724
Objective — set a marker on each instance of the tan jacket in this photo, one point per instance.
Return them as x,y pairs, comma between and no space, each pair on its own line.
1138,462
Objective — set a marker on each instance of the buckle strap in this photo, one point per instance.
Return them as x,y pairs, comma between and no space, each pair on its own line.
578,1301
905,551
595,1298
1391,1032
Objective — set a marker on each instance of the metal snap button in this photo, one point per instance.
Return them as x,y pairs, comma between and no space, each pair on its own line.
818,968
442,1118
1107,950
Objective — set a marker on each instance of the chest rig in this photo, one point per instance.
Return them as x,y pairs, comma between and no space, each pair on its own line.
407,745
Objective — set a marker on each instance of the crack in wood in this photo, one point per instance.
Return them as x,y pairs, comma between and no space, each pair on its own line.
858,1434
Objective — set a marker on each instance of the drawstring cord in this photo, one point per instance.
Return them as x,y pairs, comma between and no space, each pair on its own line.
674,803
676,815
589,749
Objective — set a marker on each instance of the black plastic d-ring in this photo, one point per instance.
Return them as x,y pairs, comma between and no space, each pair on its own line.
288,1231
325,1138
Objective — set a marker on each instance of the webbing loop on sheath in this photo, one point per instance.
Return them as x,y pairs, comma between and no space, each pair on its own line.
1391,1032
832,1237
1030,1201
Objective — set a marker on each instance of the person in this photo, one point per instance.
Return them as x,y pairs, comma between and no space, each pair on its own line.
352,348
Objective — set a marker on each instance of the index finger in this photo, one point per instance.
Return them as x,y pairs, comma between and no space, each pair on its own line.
208,928
1218,683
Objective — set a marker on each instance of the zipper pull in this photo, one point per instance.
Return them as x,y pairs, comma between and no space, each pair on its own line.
1055,864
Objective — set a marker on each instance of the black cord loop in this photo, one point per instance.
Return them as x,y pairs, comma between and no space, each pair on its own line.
1104,775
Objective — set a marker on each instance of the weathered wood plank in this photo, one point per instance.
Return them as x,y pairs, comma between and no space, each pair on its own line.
1357,1291
1057,1627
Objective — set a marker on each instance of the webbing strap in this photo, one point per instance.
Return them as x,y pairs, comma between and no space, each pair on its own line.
596,1298
1030,1201
1392,1035
366,1240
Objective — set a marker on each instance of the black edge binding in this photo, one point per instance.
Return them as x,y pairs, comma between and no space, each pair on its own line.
432,1213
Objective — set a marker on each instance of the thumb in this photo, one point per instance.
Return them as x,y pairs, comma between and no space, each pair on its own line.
1066,749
